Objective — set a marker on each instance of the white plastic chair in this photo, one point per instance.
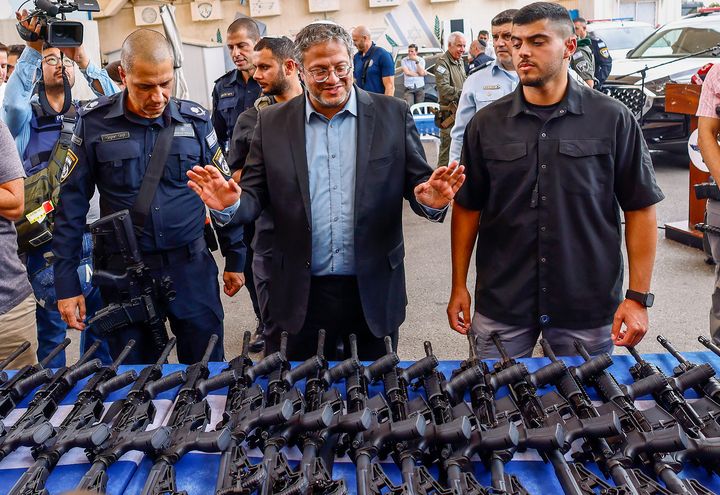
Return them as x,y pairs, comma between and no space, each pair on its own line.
423,108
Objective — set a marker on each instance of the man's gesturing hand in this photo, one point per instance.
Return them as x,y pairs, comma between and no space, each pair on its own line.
72,311
635,317
211,186
441,187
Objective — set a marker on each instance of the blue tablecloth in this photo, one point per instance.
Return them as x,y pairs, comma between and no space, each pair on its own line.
197,472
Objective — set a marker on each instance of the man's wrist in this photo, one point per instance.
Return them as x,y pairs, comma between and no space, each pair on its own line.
645,299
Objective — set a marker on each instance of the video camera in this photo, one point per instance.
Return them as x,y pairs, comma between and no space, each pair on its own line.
55,30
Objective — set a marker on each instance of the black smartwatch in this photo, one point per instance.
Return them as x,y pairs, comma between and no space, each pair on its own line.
645,298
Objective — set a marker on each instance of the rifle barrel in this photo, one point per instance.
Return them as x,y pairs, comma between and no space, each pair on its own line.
57,350
669,347
18,350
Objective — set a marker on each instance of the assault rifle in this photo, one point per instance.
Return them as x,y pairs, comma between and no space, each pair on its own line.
409,453
80,428
281,387
33,427
620,399
697,419
188,420
129,419
13,355
27,378
709,388
314,473
245,410
615,462
365,446
551,409
140,293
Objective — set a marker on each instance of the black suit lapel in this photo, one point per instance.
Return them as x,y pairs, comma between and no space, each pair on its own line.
296,134
365,130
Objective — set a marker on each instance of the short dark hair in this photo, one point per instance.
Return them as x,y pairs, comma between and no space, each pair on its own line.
540,11
484,31
319,32
580,19
282,47
504,17
245,24
4,48
16,50
412,45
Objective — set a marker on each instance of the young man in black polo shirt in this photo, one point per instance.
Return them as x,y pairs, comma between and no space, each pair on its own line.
544,189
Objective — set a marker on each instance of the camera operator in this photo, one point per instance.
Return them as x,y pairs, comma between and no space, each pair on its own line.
708,129
33,110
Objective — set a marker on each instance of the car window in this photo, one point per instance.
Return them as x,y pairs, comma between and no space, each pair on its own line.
623,38
677,42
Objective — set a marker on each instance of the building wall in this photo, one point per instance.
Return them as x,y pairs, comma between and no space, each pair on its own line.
295,15
665,10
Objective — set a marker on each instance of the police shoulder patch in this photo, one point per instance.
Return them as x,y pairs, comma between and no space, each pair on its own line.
605,52
220,162
71,160
441,69
577,55
211,139
192,109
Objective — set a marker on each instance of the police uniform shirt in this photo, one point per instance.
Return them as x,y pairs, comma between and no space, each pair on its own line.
231,96
549,241
480,89
111,148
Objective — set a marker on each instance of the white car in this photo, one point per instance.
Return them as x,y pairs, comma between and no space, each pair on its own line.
620,36
662,54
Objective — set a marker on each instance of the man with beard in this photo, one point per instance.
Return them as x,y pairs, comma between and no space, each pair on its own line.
334,166
236,91
487,84
545,185
112,147
276,71
40,116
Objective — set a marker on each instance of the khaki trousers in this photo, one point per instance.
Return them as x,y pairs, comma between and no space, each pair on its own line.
17,326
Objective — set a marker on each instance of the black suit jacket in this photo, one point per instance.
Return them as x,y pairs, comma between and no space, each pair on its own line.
390,163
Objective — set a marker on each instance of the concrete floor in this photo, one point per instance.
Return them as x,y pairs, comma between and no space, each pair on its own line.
682,282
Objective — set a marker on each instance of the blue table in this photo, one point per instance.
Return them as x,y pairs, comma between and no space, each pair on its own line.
197,472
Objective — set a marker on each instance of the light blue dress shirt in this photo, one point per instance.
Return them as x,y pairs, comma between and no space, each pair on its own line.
480,89
17,111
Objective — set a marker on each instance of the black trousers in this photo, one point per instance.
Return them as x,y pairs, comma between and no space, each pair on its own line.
248,234
334,306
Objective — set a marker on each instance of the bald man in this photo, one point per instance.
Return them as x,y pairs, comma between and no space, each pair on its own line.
112,146
373,66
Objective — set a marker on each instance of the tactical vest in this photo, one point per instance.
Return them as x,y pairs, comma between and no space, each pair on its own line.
50,138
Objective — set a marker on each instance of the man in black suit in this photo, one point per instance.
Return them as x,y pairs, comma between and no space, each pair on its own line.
334,165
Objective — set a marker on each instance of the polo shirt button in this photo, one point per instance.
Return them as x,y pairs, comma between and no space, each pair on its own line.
544,319
544,198
562,111
544,289
333,155
543,135
337,251
307,264
543,166
543,260
543,228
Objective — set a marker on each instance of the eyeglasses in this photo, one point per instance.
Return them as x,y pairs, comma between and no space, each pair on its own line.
320,75
53,61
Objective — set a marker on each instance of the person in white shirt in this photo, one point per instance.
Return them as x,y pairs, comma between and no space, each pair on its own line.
413,67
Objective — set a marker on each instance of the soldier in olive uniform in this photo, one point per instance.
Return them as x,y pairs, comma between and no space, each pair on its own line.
449,78
583,61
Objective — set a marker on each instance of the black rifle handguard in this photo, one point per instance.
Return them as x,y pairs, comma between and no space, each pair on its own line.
26,385
593,367
117,382
692,377
216,382
165,383
547,374
644,386
74,376
264,367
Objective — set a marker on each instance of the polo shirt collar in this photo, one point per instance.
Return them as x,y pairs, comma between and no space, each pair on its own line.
572,100
350,106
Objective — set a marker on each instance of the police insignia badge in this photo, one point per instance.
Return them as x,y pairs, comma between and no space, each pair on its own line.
197,110
71,160
220,162
605,52
211,139
92,104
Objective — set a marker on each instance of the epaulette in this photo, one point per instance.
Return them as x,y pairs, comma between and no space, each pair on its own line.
103,101
192,109
480,67
223,76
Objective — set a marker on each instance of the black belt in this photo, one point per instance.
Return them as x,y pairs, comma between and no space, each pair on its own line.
161,259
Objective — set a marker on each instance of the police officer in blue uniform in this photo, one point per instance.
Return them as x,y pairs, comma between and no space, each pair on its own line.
112,145
236,91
